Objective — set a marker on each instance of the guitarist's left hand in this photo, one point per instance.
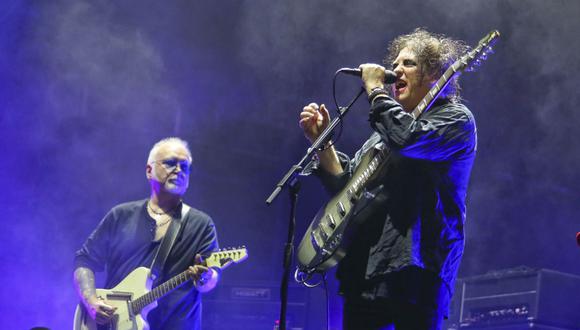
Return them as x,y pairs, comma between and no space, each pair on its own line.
204,278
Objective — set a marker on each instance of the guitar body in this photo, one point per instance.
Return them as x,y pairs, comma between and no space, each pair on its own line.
136,284
327,237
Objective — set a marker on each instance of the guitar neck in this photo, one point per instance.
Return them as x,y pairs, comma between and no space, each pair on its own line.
159,292
359,181
435,91
466,62
220,259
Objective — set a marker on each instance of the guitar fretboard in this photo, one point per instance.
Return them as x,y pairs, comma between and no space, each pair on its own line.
138,304
220,259
359,182
434,91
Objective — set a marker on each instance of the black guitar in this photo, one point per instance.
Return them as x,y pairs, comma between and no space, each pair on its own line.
325,241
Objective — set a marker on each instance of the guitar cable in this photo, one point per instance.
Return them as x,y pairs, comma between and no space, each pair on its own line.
327,301
303,278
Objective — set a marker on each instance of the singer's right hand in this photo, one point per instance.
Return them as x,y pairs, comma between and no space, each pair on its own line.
313,120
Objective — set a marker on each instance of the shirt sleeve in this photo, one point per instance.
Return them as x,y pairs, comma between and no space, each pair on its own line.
332,183
209,241
439,134
95,250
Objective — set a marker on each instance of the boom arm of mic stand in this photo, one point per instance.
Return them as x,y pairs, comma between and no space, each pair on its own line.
324,136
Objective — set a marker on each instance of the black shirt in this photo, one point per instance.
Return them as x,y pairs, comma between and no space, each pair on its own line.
123,241
415,225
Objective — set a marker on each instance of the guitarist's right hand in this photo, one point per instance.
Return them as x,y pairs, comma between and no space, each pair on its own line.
313,120
99,310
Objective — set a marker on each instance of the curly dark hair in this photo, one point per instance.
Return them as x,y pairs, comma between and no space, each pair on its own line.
435,53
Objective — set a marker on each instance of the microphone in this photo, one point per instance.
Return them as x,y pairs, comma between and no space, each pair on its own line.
578,238
390,76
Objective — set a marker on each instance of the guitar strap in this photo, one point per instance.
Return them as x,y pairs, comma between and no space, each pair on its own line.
167,243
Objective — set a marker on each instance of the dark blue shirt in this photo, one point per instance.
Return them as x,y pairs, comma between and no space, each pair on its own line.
123,241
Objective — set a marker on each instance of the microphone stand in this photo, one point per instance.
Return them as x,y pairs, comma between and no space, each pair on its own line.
290,180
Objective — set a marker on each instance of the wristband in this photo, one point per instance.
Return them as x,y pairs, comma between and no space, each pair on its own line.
376,92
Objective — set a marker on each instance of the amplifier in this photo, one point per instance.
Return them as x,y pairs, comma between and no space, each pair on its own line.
519,326
254,305
523,297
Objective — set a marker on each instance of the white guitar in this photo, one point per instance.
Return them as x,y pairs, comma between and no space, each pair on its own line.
134,298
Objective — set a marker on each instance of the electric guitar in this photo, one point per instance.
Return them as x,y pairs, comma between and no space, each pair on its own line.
326,239
134,298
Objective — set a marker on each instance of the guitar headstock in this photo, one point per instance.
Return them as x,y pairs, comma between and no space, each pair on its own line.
468,62
225,257
474,58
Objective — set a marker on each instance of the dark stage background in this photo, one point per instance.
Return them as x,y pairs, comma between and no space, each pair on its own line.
88,86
